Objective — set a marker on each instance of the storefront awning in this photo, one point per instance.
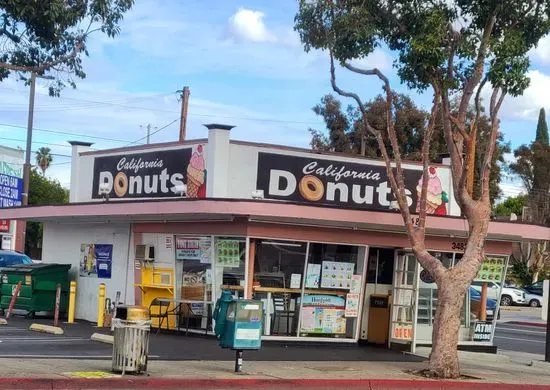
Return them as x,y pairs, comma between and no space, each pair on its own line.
261,211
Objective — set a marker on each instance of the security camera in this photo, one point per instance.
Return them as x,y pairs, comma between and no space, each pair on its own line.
105,190
180,189
258,194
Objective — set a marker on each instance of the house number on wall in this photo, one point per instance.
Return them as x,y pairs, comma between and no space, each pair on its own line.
461,246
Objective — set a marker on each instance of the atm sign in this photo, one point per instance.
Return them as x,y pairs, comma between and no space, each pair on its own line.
4,225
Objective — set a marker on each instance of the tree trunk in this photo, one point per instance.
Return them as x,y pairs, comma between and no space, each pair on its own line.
444,356
535,278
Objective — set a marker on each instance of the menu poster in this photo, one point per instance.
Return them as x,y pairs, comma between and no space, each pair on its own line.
96,260
296,281
228,253
313,275
492,270
337,275
355,284
352,305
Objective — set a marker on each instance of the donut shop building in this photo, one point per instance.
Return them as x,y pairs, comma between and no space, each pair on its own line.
311,234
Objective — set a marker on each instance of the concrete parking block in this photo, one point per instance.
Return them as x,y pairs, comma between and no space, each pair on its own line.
46,329
102,338
3,321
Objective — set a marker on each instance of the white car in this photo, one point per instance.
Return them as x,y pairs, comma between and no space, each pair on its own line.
533,300
509,295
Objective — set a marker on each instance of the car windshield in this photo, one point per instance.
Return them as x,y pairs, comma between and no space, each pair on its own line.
7,259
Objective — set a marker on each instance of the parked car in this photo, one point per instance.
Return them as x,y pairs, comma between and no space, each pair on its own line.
535,288
533,300
509,295
475,303
8,258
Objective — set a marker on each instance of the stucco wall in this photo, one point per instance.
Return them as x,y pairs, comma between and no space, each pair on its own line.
62,245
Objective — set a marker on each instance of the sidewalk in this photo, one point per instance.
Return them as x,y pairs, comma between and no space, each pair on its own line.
486,370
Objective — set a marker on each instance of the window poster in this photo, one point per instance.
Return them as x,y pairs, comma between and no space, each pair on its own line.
492,270
352,305
228,253
355,284
96,260
194,248
337,274
313,275
323,314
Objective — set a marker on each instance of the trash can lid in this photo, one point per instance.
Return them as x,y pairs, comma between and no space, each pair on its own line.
132,313
31,268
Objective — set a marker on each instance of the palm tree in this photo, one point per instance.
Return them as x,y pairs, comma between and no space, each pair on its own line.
43,159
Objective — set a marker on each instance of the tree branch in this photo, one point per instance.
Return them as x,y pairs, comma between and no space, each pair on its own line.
478,68
46,66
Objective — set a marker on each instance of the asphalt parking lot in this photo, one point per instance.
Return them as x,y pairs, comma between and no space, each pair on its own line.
16,341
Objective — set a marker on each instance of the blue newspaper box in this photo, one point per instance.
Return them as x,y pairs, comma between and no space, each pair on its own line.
241,327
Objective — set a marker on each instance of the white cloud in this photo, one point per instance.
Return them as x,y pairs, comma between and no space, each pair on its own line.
248,25
377,59
528,105
541,53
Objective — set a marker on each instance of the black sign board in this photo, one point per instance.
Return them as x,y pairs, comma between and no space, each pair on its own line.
379,301
483,331
364,186
158,174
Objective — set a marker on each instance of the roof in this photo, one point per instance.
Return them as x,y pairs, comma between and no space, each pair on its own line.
262,211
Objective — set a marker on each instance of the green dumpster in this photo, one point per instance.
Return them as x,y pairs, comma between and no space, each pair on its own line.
38,287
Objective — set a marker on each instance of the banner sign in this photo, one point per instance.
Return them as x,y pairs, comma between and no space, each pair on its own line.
194,248
158,174
483,331
364,186
11,191
96,260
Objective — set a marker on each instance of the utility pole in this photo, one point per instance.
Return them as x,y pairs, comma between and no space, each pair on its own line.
27,166
148,137
183,120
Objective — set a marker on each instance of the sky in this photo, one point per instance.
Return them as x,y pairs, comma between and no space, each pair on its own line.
245,67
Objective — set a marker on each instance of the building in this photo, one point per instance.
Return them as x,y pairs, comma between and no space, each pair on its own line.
11,189
312,234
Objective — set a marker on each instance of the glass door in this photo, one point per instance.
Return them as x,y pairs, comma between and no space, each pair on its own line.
403,316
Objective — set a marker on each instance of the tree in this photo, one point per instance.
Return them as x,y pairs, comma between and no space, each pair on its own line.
455,49
41,191
347,134
542,128
513,204
43,158
49,37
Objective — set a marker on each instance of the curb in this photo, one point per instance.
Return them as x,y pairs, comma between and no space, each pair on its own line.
527,323
46,329
102,338
220,383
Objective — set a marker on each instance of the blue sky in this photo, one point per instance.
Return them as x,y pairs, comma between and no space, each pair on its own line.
245,67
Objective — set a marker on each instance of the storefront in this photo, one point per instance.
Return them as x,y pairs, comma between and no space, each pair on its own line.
312,235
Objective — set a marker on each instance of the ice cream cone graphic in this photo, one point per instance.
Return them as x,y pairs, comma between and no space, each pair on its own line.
195,173
434,195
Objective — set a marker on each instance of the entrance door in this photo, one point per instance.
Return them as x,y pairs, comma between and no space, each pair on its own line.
403,316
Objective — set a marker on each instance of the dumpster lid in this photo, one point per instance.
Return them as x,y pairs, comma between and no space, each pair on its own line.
29,268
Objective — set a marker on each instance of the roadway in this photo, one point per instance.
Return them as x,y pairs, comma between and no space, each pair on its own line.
520,338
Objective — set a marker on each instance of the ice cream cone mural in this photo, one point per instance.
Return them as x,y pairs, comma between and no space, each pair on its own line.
436,198
196,175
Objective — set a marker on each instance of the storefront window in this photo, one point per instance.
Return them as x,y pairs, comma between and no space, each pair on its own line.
278,271
230,260
380,269
491,273
193,279
332,290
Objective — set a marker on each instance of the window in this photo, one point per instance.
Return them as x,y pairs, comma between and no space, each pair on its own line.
380,267
230,259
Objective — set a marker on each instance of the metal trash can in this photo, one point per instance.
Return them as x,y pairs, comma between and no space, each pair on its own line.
132,325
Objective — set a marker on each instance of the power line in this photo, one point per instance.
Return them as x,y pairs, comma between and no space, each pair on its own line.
35,142
67,133
156,131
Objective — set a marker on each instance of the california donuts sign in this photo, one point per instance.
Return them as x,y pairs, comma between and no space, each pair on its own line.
365,186
163,173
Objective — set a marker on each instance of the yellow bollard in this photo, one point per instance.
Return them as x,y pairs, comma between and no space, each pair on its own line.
101,306
72,302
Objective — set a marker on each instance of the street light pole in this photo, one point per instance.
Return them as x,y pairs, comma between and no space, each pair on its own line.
27,166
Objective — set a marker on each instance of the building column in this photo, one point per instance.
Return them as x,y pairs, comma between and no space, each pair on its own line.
77,148
217,160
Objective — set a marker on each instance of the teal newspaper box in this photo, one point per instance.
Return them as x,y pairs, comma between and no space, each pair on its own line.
239,323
